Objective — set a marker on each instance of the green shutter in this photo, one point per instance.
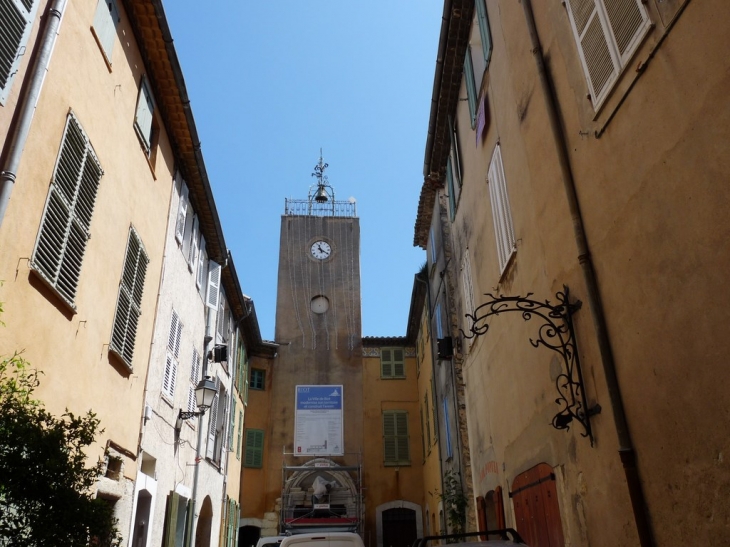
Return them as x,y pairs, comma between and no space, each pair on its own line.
471,88
232,425
395,438
401,425
254,455
484,31
386,363
450,189
173,501
389,445
240,430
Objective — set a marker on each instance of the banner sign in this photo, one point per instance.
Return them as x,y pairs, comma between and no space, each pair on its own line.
318,427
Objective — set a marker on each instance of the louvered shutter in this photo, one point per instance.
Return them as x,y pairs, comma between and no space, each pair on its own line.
390,447
173,352
182,212
213,423
129,302
106,20
16,22
401,426
607,33
202,262
143,116
386,363
455,155
471,88
467,286
232,426
254,448
66,221
450,189
240,431
214,281
194,379
399,370
501,213
193,255
173,502
484,31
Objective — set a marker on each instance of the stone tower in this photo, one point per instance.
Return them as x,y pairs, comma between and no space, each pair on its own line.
318,329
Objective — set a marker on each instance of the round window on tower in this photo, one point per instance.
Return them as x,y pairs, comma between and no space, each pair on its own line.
320,304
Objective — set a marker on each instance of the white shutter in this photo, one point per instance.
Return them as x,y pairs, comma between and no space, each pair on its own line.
145,108
501,214
210,450
202,261
194,379
182,212
607,33
195,236
106,20
214,281
16,22
173,352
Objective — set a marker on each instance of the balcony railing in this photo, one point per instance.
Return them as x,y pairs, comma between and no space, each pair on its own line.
304,207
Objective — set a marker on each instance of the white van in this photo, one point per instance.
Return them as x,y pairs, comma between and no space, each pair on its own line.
270,541
323,539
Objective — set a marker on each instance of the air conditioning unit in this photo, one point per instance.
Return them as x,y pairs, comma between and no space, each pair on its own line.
445,347
220,353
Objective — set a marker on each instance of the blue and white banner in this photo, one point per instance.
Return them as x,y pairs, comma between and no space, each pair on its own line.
318,427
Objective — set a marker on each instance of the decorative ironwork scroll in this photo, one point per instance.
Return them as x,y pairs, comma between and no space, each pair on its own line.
556,334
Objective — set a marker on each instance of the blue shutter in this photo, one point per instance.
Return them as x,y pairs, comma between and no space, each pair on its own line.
471,89
484,31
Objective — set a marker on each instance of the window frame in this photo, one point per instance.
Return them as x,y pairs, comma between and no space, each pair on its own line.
258,372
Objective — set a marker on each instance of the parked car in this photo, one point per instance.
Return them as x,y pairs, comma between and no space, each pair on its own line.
270,541
494,538
323,539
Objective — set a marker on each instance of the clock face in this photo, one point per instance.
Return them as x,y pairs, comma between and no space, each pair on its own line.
321,250
320,304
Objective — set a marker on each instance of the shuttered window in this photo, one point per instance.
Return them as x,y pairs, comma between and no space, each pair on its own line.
214,282
451,189
392,364
395,438
468,287
484,31
254,453
129,301
232,426
501,213
173,352
182,212
105,25
258,378
144,120
471,88
202,273
194,379
65,225
607,33
16,22
240,434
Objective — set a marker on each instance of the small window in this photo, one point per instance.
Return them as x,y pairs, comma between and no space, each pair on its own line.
66,222
395,438
501,213
172,355
607,34
392,364
17,21
254,453
105,25
145,120
258,378
129,301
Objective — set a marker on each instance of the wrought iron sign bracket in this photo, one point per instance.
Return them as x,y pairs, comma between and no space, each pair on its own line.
556,333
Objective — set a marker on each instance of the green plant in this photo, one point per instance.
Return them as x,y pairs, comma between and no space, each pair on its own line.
455,502
45,486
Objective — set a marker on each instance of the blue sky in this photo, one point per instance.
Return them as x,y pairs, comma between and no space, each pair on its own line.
272,82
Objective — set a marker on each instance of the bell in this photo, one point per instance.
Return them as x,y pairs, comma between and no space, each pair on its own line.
321,195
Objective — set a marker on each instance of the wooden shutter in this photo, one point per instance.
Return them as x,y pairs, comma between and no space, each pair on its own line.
145,110
106,20
202,261
386,363
399,370
401,426
17,21
213,423
254,448
66,222
471,88
468,290
173,352
171,516
607,33
129,301
182,213
395,437
214,281
240,431
232,426
484,31
501,214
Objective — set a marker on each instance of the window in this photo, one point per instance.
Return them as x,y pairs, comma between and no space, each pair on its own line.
478,55
202,273
254,454
240,431
434,407
65,225
232,425
194,379
145,121
233,515
258,378
467,287
428,421
217,423
450,189
214,281
447,426
129,301
607,33
182,212
16,21
501,214
105,25
173,352
391,363
395,438
439,326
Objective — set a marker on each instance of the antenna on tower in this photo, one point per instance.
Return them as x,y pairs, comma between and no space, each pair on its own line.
319,193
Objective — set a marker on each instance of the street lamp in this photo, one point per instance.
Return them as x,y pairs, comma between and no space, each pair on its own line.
204,395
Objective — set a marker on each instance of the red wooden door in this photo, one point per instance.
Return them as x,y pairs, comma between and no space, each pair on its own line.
537,513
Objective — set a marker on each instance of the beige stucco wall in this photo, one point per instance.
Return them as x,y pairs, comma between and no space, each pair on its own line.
653,209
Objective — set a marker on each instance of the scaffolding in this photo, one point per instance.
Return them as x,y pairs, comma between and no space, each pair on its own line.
321,494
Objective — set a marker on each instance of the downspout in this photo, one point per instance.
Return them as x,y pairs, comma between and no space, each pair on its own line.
28,103
626,449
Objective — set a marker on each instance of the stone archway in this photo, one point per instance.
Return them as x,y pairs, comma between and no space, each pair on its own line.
205,524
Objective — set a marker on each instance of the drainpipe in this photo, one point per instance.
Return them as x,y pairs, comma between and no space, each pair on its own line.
626,449
26,107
